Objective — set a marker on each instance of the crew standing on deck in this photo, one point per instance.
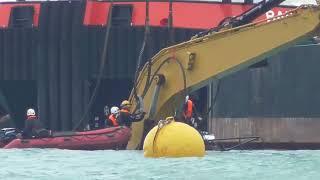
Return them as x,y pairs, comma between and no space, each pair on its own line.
188,110
191,115
125,117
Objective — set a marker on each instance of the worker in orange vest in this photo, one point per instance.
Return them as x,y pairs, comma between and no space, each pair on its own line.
188,110
112,119
125,117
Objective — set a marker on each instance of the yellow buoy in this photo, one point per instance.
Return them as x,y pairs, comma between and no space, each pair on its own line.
173,139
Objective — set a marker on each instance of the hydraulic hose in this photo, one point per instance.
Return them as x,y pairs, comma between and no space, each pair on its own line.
171,41
184,91
143,47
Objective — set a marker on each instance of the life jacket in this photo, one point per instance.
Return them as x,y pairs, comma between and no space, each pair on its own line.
189,109
113,120
32,117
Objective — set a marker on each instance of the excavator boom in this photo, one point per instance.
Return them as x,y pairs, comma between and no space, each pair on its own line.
188,66
245,17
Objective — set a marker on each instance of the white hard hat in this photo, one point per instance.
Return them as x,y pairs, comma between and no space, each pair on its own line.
115,110
31,112
187,98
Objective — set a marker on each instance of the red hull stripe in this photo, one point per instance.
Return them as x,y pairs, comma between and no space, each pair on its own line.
5,10
186,14
195,15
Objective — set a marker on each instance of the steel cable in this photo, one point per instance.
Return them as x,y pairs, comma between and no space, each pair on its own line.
101,69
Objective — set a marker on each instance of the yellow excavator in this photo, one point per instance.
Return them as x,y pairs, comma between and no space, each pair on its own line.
164,81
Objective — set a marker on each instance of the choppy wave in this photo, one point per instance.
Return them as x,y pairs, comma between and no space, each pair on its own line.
65,164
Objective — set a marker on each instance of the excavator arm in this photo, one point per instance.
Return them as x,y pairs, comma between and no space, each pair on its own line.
188,66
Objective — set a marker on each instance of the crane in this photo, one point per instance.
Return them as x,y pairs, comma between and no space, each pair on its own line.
174,71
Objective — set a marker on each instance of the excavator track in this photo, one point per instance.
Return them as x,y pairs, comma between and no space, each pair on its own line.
191,65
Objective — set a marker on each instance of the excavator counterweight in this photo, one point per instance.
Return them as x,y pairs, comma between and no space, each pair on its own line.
191,65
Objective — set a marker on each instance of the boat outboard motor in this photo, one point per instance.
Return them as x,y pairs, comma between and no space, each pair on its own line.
8,134
316,40
209,138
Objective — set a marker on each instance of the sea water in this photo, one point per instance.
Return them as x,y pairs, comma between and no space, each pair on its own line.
52,164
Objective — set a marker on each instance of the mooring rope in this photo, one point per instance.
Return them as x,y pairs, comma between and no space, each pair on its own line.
161,124
101,70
